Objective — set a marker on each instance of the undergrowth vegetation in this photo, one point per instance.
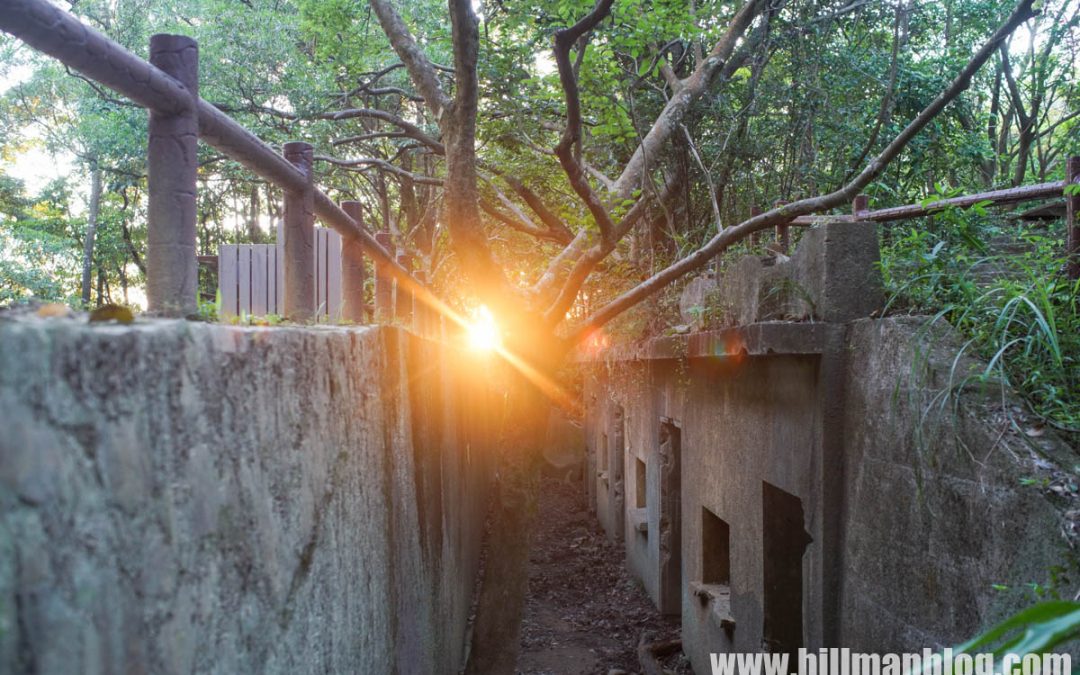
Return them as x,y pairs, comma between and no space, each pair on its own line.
1002,284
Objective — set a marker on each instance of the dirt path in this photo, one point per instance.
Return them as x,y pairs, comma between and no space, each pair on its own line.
585,613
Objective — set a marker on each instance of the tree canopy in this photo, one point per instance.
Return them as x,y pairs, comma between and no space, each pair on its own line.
806,94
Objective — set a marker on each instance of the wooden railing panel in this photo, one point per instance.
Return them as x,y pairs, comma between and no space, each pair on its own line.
227,282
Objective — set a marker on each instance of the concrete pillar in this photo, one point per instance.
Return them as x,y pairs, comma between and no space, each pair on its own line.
352,269
403,297
299,233
1072,205
384,285
172,271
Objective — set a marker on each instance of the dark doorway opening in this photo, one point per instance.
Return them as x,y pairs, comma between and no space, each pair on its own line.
715,549
785,542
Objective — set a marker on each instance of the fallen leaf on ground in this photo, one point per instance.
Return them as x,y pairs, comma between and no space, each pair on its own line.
116,313
53,309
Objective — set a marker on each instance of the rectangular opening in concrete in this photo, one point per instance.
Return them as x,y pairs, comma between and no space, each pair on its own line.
670,539
715,549
785,541
640,500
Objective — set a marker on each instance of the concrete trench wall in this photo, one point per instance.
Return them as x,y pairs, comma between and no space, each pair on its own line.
181,497
913,513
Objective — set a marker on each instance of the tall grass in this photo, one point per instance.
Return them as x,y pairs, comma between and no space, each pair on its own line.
1016,309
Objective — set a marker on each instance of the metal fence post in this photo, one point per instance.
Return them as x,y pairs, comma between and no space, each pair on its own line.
1072,205
299,232
172,271
352,272
384,284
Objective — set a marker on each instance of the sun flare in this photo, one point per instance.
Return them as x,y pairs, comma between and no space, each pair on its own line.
483,331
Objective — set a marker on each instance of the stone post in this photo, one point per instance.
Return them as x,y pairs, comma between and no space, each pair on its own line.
860,205
299,233
384,285
172,272
352,272
1072,205
403,297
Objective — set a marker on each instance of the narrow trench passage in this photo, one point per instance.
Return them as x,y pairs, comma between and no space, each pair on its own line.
585,613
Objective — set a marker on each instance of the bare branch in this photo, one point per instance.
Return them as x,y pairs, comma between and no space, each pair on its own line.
369,137
411,130
569,148
518,221
381,164
689,91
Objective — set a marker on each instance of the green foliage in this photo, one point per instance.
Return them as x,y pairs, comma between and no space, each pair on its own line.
1036,630
1002,285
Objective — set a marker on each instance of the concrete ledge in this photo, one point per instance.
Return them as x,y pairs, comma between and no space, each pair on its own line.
759,339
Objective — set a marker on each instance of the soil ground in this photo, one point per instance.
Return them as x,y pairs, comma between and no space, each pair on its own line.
585,613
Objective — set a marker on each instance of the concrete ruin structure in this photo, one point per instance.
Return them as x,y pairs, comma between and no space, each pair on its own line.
792,477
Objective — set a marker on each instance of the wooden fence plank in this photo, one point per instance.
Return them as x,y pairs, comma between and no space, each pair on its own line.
258,280
279,266
227,279
251,278
333,276
320,271
243,278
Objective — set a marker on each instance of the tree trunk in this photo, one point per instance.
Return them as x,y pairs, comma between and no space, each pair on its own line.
254,232
91,231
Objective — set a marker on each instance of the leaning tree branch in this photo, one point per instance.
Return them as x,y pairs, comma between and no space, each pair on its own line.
585,265
785,214
569,148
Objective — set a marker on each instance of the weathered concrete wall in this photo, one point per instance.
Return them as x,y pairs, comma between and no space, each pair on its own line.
936,512
179,497
914,520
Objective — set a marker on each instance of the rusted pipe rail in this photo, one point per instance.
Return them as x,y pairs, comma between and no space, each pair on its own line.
1006,196
53,31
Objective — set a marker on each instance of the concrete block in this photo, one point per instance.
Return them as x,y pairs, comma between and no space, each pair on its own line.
832,276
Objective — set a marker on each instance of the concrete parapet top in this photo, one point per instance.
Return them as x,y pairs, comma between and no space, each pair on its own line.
757,339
